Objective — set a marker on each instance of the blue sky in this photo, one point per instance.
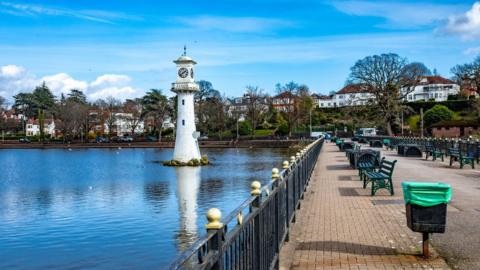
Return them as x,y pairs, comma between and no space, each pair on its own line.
122,48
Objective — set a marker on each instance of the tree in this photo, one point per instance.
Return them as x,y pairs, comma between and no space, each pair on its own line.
109,107
390,79
418,69
255,106
77,96
468,75
72,114
133,114
436,114
2,103
155,105
206,92
301,105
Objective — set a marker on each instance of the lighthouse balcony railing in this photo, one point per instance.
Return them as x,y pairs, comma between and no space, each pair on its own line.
250,237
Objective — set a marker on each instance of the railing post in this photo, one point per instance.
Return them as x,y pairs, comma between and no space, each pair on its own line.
257,252
275,178
216,242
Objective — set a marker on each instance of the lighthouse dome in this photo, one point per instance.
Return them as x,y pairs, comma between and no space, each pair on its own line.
184,60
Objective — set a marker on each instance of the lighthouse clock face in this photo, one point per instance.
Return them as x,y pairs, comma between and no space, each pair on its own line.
183,72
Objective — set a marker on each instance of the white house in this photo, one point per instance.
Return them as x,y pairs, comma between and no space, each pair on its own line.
432,88
33,127
350,95
124,123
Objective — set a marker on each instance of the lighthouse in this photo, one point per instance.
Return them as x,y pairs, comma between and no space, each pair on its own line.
186,141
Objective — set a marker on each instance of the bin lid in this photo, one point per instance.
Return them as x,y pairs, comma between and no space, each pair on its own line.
426,194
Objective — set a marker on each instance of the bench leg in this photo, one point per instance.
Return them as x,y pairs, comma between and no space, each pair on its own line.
391,187
451,161
372,193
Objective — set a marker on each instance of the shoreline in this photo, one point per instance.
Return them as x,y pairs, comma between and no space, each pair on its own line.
202,144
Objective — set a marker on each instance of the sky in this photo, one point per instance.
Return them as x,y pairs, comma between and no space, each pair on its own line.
124,48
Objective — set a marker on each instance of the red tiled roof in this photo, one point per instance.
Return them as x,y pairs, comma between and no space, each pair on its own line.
353,88
436,80
284,95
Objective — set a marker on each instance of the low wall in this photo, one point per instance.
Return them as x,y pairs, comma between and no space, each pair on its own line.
203,144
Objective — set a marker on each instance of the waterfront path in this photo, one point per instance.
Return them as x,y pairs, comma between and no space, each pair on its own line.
340,226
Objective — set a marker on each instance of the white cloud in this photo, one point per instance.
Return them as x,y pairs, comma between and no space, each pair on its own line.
233,24
472,51
15,79
110,79
117,92
466,25
399,14
37,10
63,83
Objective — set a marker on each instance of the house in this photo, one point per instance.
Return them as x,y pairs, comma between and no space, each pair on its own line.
123,124
325,101
33,127
238,106
284,102
434,88
350,95
455,128
315,98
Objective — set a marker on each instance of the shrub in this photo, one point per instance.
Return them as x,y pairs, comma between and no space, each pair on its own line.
436,114
244,128
283,129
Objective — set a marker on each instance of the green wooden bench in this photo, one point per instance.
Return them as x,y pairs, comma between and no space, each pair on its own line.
381,178
431,151
457,156
364,167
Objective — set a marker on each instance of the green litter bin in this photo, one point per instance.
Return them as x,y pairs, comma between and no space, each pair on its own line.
426,206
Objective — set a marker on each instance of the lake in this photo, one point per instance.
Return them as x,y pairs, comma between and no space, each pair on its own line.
115,208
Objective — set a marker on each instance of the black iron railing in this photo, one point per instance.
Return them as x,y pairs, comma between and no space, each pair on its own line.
469,147
251,236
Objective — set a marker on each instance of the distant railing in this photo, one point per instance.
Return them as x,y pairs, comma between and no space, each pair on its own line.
250,237
469,147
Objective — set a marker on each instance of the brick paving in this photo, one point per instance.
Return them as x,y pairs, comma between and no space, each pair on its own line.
340,226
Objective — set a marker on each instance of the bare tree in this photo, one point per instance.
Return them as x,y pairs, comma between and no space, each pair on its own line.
133,114
255,105
109,107
468,75
389,79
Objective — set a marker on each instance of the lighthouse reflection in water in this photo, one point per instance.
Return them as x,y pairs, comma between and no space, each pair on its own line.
188,183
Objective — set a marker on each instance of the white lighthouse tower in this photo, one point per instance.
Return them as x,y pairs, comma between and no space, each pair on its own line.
186,142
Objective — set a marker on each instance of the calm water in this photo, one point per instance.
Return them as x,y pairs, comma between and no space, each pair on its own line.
115,209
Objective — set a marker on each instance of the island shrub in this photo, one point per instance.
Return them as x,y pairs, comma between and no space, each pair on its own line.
436,114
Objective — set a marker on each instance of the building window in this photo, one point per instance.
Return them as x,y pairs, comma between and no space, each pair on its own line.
183,122
183,101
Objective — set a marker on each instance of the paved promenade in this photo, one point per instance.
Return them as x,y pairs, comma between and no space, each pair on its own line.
340,226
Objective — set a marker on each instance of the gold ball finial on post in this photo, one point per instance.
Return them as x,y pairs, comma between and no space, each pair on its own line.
292,159
256,188
213,216
285,164
275,174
